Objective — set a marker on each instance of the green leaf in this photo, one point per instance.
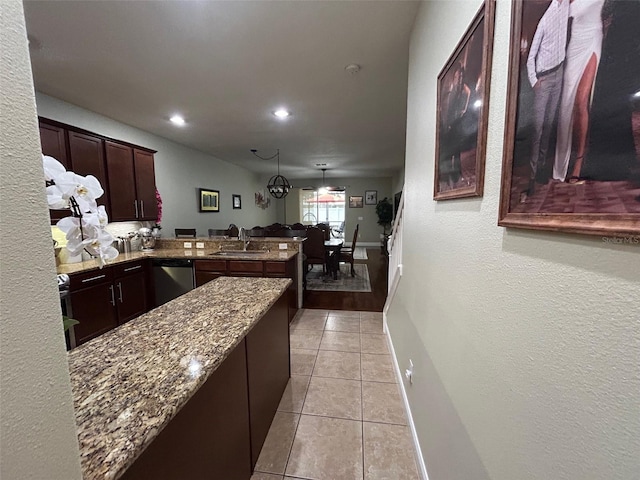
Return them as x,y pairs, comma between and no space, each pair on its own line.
68,322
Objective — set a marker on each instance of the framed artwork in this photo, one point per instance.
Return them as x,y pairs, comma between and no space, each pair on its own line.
462,112
370,197
209,200
236,201
355,202
571,157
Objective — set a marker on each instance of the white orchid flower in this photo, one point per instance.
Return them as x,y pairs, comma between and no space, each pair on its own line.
85,230
52,168
85,190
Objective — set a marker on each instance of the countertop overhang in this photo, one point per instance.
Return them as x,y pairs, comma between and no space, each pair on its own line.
131,381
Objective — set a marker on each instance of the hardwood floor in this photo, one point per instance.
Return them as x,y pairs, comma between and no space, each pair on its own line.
370,302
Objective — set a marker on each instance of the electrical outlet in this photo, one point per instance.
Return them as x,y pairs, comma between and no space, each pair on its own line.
409,372
187,244
282,246
199,253
199,244
360,218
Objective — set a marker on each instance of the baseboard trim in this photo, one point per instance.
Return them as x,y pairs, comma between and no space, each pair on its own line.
422,468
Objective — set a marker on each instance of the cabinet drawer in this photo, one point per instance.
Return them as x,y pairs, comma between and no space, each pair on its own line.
129,268
245,266
211,265
275,267
93,277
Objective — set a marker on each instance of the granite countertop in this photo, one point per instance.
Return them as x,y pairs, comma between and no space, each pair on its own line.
131,381
195,254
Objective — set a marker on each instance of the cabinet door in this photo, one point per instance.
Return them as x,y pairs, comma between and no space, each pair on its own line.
131,296
242,268
54,144
122,188
87,158
145,185
203,277
94,308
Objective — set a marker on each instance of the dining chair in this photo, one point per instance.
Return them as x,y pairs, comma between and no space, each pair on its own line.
313,249
326,229
216,232
185,232
233,230
346,254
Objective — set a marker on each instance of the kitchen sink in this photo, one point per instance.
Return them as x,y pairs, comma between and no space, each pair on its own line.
235,253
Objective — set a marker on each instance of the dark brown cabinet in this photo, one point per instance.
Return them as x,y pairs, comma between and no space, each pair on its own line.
131,183
126,172
219,432
103,299
87,158
93,304
53,141
207,270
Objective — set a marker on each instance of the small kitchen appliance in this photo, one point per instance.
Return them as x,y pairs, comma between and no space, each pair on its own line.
147,240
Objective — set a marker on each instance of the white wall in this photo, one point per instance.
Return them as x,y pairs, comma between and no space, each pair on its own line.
180,171
369,230
38,435
526,344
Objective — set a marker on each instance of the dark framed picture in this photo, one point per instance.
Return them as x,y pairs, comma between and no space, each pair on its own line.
209,200
370,197
572,138
237,201
355,201
463,107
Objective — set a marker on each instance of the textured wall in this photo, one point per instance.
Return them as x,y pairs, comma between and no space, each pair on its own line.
180,171
38,436
526,344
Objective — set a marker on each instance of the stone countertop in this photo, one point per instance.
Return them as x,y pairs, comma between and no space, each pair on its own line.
194,254
131,381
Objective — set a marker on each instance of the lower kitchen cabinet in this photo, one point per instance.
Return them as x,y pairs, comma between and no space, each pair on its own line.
207,270
219,432
103,299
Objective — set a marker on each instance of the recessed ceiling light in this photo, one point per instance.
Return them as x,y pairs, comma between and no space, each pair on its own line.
281,113
177,120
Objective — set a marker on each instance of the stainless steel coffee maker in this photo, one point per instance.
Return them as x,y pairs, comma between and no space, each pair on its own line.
147,240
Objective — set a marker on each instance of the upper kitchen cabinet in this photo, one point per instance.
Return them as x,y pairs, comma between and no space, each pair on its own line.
53,140
131,183
87,158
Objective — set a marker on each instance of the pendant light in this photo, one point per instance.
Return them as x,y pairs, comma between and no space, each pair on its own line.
278,185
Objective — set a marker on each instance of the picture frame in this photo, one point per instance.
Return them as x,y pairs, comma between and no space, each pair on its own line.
209,200
586,180
236,201
355,201
370,197
462,111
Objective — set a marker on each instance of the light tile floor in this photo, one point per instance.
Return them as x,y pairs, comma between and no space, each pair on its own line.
341,415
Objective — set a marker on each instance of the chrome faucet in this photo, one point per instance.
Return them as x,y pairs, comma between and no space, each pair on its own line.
243,237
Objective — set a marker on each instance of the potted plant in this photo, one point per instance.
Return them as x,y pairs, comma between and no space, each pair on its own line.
384,210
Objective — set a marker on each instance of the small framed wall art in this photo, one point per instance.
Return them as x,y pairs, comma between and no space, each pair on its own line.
355,201
237,201
209,200
370,197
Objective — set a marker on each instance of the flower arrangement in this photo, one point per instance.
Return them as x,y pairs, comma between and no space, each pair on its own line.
159,205
84,229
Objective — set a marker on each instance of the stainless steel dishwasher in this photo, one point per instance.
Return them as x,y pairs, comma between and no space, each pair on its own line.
172,277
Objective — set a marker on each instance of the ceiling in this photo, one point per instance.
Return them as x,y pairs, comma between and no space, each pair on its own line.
226,66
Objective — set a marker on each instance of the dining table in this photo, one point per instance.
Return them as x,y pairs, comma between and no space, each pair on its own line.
332,256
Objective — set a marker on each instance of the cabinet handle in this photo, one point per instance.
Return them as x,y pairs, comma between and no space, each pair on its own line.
113,297
142,208
120,291
132,268
97,277
135,204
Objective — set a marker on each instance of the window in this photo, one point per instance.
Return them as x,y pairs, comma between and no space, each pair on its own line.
322,208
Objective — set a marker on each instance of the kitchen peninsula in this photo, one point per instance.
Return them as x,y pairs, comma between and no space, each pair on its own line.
188,389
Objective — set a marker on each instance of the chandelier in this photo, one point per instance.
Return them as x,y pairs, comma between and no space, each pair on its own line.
278,185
